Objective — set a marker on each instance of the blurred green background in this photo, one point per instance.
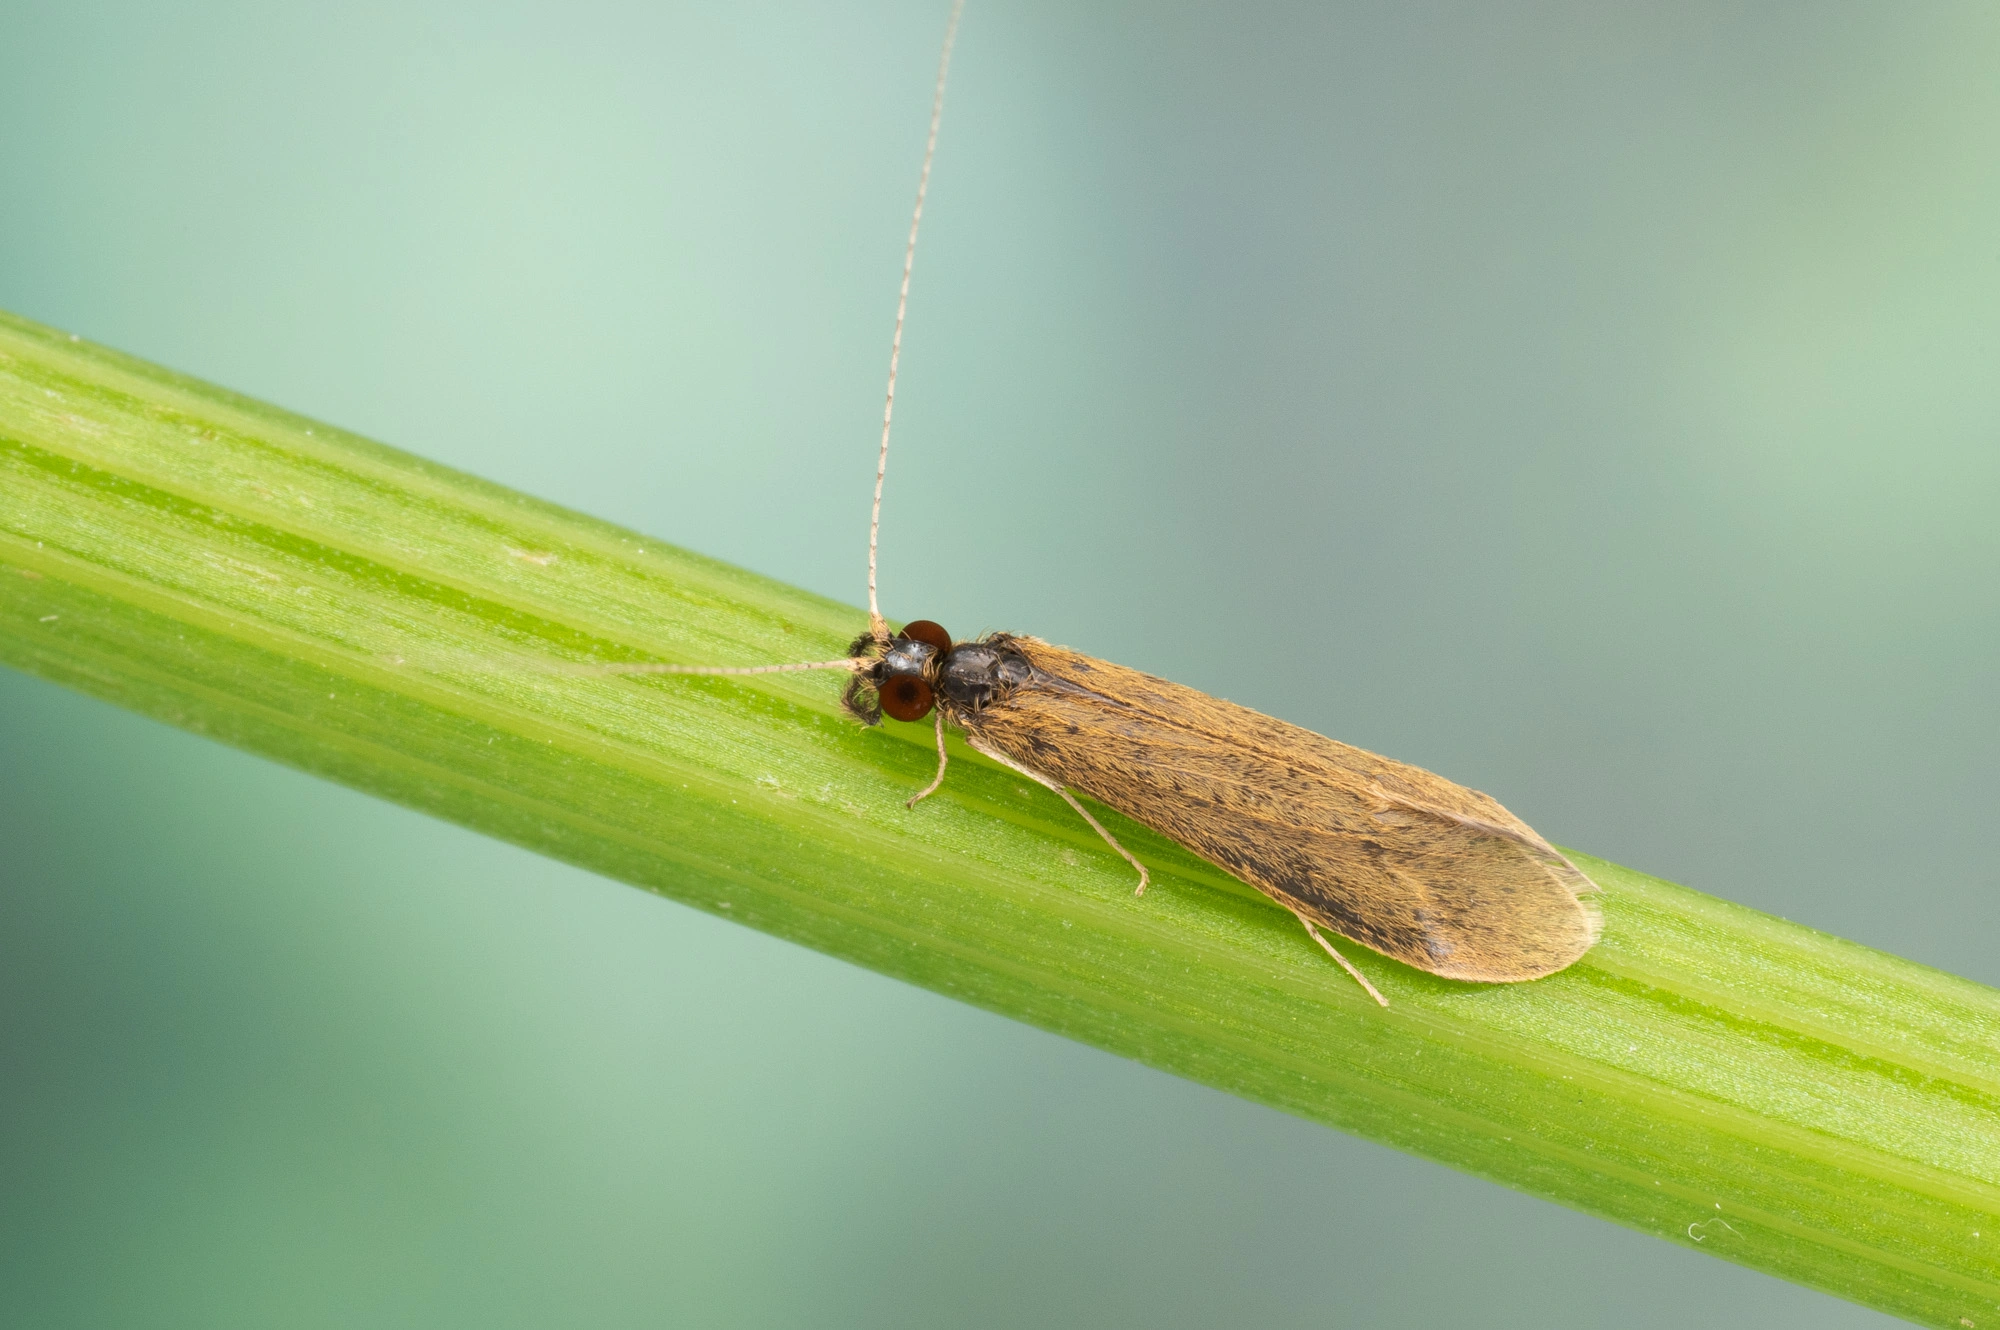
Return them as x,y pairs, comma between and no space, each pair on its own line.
1597,404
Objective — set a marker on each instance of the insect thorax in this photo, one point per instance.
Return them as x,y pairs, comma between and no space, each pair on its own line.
974,675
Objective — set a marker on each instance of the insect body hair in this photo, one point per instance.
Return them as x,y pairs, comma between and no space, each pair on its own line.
860,699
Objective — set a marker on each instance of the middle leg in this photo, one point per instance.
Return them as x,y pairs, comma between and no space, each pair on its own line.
1345,964
1071,800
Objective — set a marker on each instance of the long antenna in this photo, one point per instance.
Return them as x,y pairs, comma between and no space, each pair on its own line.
848,663
877,625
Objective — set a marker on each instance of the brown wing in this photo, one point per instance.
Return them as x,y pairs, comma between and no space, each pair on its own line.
1438,876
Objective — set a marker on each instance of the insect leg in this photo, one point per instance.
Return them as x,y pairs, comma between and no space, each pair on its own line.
1109,839
1069,798
1359,978
937,780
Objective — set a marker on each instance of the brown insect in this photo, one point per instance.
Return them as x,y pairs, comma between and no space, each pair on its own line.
1391,856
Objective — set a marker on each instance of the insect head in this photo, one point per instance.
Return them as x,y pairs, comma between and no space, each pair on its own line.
908,677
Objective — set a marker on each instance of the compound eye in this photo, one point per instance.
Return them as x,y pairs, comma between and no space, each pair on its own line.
905,698
929,633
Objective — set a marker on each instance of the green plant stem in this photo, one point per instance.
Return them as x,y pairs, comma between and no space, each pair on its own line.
1712,1075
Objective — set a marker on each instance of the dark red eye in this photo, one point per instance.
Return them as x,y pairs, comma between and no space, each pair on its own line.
907,698
931,634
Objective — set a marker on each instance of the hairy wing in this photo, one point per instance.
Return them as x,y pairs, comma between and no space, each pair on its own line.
1398,859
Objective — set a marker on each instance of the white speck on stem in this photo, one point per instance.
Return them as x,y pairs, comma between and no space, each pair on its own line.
49,618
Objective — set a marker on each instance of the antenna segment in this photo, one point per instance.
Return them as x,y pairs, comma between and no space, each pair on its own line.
878,627
642,667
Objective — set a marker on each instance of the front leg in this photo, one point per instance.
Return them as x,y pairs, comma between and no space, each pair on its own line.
938,779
